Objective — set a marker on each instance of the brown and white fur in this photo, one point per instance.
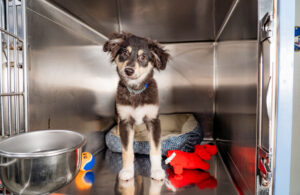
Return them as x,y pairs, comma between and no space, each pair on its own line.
136,57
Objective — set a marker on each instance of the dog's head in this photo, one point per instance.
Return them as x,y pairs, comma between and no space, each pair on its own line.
136,57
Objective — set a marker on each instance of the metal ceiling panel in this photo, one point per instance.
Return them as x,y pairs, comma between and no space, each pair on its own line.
100,15
165,21
168,21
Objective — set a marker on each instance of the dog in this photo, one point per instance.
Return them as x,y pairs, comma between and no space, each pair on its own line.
137,99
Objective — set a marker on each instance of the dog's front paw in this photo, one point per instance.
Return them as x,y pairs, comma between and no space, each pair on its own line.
126,173
158,174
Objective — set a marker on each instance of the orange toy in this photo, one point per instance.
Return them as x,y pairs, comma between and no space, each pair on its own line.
180,160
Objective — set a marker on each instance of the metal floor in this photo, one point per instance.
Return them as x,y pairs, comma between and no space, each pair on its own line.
192,182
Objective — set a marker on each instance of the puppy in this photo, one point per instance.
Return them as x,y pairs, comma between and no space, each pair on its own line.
137,95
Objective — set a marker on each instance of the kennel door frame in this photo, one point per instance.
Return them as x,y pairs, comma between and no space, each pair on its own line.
284,105
13,80
275,95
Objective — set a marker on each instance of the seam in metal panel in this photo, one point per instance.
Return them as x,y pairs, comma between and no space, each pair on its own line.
227,18
214,18
118,4
214,78
25,62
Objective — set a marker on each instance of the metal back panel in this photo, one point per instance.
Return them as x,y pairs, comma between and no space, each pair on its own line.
235,116
73,83
69,75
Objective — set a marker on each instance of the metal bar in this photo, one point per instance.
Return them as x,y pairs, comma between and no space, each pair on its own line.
1,70
8,79
227,17
16,105
24,53
12,94
10,34
12,64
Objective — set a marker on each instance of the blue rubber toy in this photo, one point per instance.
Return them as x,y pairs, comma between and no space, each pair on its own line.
87,161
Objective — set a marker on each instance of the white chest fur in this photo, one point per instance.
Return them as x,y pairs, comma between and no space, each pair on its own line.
138,113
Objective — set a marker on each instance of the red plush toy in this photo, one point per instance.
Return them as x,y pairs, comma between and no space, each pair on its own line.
201,179
180,160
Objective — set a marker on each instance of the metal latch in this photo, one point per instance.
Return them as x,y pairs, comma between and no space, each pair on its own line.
266,27
264,167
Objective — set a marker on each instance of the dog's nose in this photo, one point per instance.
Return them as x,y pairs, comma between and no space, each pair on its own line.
129,71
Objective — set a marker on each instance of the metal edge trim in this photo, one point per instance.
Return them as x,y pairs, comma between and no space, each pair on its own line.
43,154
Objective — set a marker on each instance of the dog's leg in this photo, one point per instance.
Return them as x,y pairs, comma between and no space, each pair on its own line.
127,135
153,126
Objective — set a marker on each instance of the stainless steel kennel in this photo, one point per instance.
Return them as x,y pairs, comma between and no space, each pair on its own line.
224,68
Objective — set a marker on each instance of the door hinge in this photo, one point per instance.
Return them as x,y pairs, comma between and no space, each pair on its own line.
266,27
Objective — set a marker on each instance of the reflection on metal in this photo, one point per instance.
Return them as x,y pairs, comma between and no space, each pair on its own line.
13,65
106,181
187,83
264,167
227,17
235,117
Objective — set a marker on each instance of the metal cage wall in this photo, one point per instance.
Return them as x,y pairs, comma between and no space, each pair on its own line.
13,71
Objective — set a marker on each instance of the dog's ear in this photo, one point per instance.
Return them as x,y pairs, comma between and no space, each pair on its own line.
113,44
159,55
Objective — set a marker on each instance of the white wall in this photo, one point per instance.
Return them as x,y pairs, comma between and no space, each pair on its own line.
295,166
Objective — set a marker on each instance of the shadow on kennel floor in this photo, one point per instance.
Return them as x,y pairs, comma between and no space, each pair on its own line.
216,181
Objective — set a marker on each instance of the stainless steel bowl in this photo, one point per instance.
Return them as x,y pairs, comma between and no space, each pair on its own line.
40,162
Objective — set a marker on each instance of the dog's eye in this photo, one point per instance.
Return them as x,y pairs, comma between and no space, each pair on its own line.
125,53
142,58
